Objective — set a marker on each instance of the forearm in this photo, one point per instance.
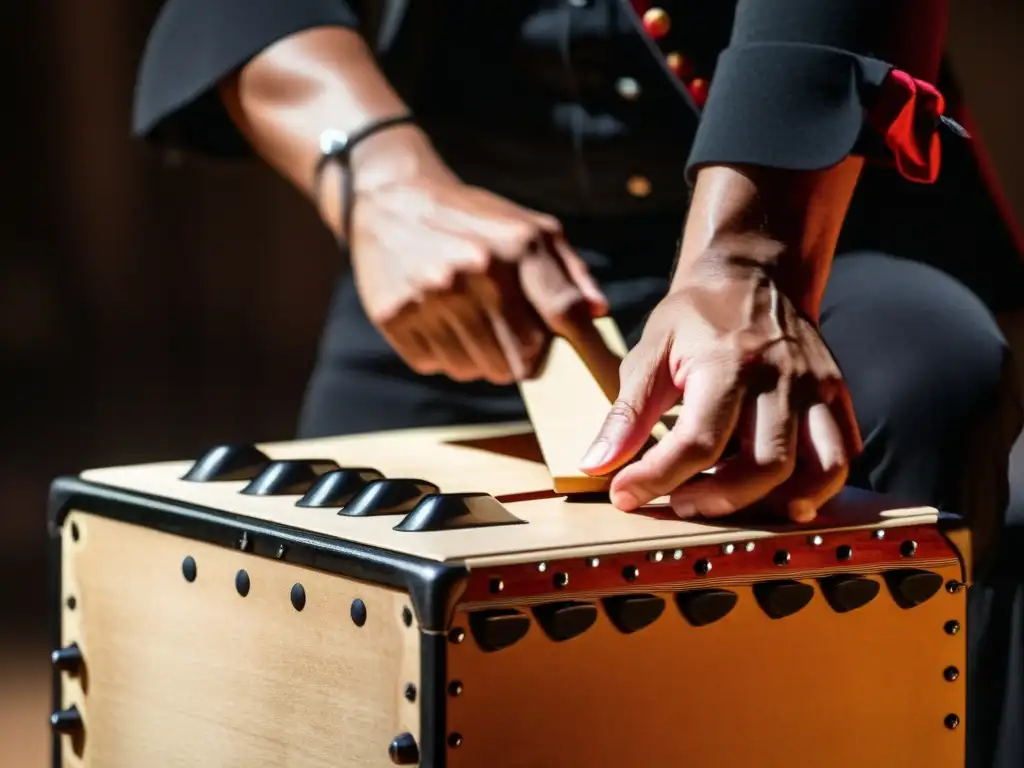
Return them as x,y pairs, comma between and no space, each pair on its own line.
320,79
781,223
804,93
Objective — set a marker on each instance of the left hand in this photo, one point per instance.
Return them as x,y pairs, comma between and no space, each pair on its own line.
748,364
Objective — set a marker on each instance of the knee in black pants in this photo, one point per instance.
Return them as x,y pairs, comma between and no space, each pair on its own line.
930,377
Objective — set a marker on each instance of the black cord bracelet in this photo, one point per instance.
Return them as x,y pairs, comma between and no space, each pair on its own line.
336,147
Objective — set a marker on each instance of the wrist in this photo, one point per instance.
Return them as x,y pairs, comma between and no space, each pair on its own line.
395,155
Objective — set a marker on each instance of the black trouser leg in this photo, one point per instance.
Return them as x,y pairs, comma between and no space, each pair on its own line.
927,369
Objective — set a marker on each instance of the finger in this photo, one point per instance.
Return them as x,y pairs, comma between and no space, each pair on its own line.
447,349
579,273
473,329
713,397
518,329
413,349
550,291
822,470
646,391
768,460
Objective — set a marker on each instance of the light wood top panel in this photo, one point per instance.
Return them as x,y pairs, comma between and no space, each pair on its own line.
502,468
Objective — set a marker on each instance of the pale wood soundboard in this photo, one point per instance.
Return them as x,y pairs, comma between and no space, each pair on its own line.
503,460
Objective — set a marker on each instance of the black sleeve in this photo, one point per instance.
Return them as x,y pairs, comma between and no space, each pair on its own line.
196,43
794,85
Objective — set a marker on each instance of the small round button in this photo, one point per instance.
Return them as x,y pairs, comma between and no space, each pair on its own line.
628,88
657,22
679,65
698,88
638,186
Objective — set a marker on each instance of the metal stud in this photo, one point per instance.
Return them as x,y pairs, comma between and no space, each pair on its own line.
409,692
728,549
593,562
678,554
358,612
188,569
456,636
702,566
71,602
455,688
951,673
630,573
952,627
542,567
496,586
628,88
879,534
815,541
749,546
298,597
845,552
638,186
952,721
454,740
908,548
242,583
561,580
655,557
781,557
953,586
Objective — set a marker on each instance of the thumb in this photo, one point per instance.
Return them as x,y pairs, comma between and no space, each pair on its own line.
579,273
646,391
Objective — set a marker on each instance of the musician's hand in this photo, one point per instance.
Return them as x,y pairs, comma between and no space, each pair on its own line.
744,361
463,282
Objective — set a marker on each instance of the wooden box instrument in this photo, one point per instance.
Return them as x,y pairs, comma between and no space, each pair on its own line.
424,598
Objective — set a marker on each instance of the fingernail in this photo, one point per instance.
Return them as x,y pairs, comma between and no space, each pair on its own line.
685,509
802,511
625,500
596,454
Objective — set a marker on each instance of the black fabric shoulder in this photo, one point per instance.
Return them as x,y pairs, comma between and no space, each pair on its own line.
196,43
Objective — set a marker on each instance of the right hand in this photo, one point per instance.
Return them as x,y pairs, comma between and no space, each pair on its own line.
462,282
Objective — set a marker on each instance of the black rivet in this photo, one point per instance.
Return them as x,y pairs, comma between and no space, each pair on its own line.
188,569
953,586
496,586
74,532
952,721
952,627
358,612
561,580
66,720
67,659
455,688
844,552
454,740
71,603
908,548
298,597
242,583
282,550
951,673
244,543
781,557
406,616
410,692
457,635
403,750
630,573
702,566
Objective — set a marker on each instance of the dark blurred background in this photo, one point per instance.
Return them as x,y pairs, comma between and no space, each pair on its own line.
151,304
